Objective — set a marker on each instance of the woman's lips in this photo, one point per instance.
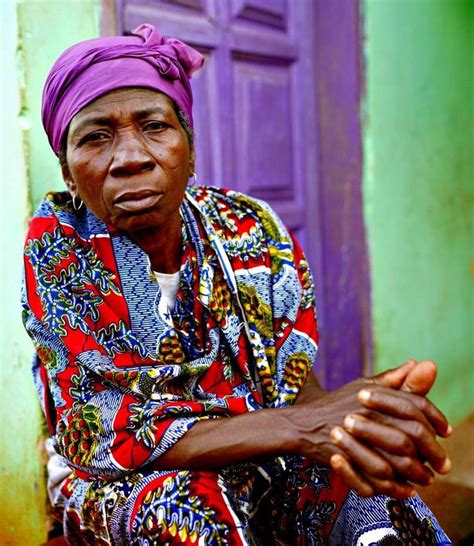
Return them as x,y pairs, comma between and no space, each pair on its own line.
137,201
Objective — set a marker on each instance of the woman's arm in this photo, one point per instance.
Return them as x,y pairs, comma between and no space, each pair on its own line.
307,429
213,443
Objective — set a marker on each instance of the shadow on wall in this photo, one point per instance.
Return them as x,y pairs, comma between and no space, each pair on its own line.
451,497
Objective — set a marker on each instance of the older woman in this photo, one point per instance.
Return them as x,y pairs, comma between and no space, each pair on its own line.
175,335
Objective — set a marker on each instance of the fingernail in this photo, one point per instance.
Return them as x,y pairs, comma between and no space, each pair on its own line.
447,465
336,461
364,395
349,423
336,434
449,431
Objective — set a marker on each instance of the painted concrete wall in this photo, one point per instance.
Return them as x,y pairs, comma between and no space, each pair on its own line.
21,486
33,33
418,187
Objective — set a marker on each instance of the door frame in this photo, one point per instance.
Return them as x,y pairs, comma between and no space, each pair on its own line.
348,351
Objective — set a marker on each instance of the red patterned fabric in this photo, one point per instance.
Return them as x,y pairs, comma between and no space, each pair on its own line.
121,378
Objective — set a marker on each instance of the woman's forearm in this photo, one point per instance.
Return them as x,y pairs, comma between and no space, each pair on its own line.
259,434
311,390
213,443
312,427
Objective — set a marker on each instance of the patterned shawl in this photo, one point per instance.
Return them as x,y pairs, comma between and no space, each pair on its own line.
120,378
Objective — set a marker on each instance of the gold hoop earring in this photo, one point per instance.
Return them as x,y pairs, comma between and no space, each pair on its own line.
76,206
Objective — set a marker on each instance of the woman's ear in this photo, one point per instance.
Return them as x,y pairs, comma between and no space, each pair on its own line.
71,185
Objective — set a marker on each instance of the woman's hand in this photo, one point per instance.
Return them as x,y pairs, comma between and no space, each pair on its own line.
410,427
384,439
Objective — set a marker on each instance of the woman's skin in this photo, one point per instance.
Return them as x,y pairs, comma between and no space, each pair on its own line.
129,160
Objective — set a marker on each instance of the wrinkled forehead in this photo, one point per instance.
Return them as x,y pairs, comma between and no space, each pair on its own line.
124,101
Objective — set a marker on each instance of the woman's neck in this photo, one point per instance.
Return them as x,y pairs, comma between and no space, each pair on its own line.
162,244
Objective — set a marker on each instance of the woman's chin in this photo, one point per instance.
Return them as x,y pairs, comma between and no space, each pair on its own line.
138,222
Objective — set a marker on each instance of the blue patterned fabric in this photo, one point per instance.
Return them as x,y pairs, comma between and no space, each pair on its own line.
121,381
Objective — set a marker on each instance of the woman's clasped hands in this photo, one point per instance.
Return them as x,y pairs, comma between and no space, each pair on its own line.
378,433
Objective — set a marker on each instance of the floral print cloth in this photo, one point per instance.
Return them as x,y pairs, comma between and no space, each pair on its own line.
121,379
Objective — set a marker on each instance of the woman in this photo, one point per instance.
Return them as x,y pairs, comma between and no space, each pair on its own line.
175,335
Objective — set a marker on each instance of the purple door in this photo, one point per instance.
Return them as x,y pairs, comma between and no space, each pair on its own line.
251,99
256,126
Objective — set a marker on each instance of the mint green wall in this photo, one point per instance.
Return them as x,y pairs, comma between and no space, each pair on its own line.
47,27
21,486
33,33
418,189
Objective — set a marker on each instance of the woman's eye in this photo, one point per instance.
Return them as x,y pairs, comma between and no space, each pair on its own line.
95,137
155,126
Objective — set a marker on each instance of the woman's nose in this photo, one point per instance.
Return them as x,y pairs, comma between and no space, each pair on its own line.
130,157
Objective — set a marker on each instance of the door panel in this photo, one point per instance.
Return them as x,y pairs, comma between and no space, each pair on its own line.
265,140
261,11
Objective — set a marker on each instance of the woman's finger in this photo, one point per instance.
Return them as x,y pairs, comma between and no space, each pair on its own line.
371,467
368,486
383,436
422,436
391,488
431,414
409,469
421,378
368,461
394,445
352,478
395,377
392,403
434,415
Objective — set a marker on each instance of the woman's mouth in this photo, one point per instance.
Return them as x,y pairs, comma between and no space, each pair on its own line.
137,201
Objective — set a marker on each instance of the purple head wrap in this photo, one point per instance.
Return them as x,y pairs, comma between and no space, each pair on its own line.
94,67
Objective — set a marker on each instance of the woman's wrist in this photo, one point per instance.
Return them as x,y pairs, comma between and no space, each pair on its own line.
307,430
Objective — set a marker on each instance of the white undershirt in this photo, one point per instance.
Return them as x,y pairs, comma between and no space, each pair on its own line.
58,471
169,283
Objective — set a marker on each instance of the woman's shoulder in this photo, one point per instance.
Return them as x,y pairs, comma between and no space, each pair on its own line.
56,212
219,203
54,202
208,193
45,218
55,208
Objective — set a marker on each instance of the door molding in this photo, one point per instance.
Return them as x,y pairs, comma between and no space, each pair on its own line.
346,345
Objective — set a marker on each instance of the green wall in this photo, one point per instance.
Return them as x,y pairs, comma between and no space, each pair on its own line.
33,33
72,21
418,187
21,485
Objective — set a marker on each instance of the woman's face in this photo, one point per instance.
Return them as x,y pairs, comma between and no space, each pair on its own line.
129,159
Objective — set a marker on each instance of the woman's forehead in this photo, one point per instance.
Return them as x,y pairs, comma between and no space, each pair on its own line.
128,96
131,100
